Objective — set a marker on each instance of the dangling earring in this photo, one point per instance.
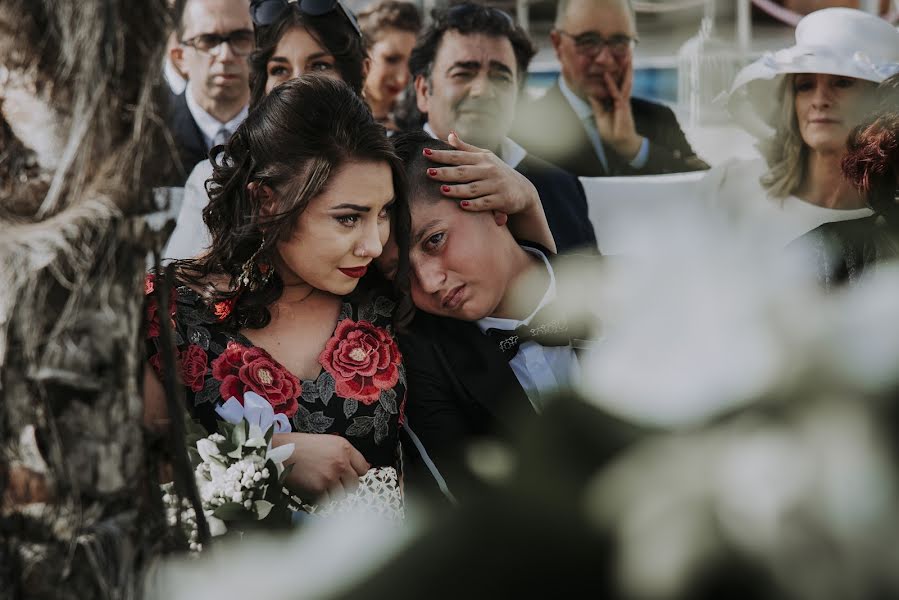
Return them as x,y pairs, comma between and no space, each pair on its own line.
255,274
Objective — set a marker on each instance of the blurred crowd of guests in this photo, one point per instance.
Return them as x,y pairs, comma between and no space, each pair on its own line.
366,197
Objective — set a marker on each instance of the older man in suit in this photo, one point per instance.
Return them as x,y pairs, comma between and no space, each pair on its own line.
468,68
214,39
588,123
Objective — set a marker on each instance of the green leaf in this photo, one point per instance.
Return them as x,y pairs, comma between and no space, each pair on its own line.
263,507
226,447
194,455
285,473
231,511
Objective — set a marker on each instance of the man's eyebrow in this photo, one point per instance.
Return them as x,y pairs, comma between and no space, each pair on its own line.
420,232
472,65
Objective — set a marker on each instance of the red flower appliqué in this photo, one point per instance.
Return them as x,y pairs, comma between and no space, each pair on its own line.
240,369
193,367
363,359
152,306
223,309
192,363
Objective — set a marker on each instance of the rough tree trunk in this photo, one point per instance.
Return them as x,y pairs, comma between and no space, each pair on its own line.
79,516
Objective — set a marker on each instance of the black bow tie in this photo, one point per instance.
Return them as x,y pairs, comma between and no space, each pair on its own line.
549,333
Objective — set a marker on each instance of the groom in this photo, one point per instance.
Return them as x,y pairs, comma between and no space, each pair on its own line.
485,354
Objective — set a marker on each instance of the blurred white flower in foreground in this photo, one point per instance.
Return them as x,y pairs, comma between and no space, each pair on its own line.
714,324
325,557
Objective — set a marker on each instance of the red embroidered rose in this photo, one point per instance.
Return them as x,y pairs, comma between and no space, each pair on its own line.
156,363
240,369
193,367
152,307
223,309
363,359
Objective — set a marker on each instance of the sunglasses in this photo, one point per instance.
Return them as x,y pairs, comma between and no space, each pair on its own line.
267,12
241,42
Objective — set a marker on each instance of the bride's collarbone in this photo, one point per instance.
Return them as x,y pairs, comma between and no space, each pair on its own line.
296,336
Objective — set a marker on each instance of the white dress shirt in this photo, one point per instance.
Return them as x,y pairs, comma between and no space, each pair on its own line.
540,370
585,114
209,125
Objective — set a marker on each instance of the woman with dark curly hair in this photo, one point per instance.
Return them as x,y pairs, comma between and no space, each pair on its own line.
283,303
842,252
289,43
390,29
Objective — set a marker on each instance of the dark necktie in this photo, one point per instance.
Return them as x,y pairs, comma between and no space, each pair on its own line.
545,333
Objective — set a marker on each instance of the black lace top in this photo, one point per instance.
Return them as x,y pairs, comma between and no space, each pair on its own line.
360,392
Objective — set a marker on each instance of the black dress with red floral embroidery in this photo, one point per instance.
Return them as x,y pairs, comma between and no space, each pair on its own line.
359,394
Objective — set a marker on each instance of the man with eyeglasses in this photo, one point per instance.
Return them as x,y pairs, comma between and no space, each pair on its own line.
588,123
216,36
468,68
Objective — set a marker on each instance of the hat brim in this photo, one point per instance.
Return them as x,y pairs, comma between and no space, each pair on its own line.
754,98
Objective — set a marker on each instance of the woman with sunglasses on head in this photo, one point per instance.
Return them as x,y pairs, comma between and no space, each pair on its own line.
390,29
312,36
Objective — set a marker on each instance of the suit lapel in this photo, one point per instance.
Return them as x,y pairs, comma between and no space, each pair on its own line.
582,159
186,129
475,362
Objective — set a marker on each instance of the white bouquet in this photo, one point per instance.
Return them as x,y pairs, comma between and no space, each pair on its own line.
239,475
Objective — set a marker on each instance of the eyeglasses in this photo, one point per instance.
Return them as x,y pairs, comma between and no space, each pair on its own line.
591,44
241,42
461,11
268,12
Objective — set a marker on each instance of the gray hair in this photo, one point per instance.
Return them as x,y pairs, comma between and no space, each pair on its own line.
785,152
562,10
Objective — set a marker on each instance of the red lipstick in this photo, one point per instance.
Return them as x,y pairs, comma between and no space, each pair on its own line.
355,272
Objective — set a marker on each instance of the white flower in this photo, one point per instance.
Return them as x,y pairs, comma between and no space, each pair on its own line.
216,525
207,449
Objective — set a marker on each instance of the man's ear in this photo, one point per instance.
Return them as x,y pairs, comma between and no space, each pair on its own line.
366,67
176,55
556,38
422,89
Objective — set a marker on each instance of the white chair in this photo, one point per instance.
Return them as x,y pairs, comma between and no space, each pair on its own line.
641,215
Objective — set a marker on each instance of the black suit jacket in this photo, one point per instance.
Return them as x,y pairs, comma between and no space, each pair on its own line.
549,128
461,389
564,203
191,145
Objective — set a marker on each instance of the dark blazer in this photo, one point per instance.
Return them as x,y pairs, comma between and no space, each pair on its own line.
461,388
564,203
191,145
550,129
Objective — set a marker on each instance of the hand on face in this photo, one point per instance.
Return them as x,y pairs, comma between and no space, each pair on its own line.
613,116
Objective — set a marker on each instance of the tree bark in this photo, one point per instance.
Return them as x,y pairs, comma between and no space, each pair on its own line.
80,515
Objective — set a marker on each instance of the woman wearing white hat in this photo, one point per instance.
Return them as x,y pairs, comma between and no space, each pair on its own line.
801,103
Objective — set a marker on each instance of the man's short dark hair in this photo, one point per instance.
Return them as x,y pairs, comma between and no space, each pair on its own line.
470,19
410,146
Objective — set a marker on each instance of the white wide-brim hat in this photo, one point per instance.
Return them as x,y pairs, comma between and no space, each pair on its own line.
835,41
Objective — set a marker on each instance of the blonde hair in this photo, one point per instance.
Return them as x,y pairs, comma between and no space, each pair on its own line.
785,152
